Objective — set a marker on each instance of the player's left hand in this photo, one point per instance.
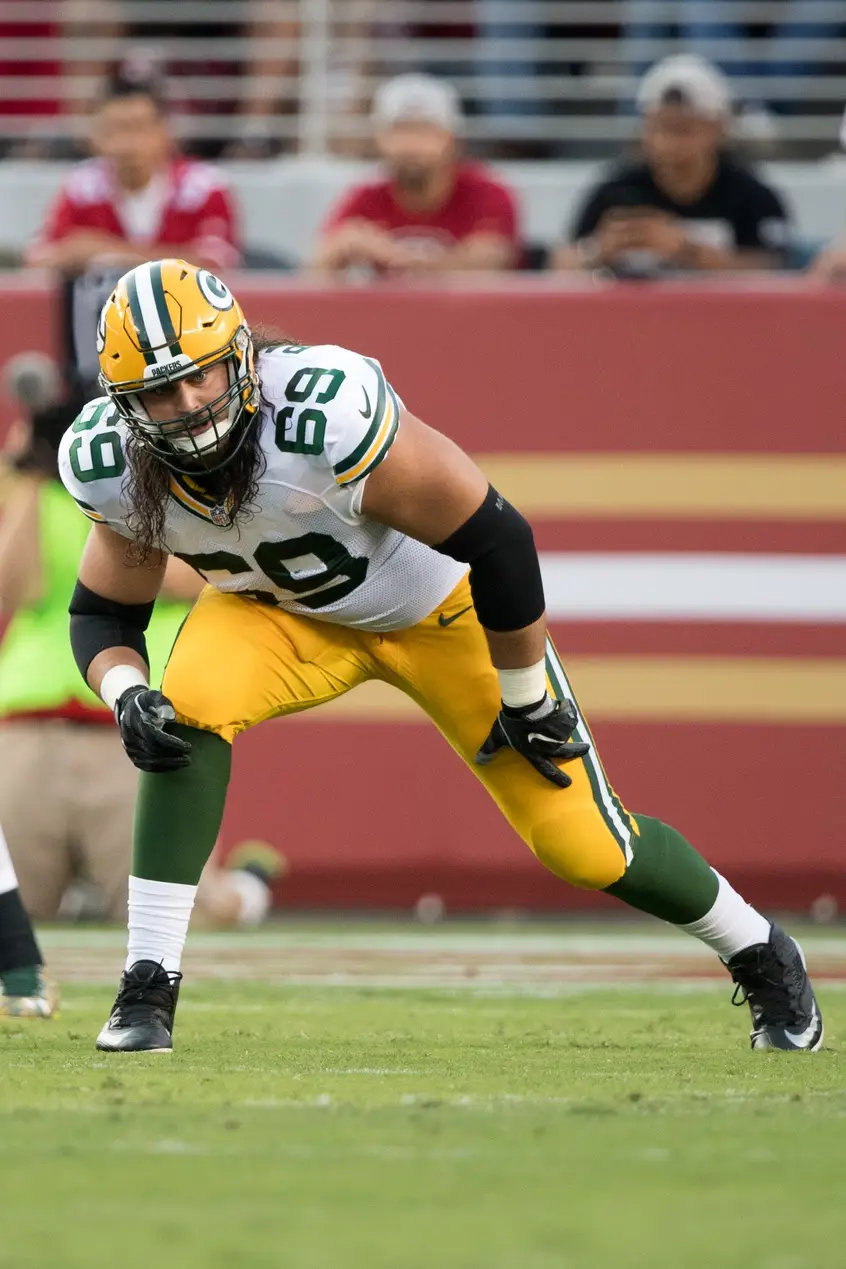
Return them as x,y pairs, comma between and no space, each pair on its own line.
538,740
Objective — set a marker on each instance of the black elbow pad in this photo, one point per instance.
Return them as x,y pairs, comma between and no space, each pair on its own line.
505,577
97,623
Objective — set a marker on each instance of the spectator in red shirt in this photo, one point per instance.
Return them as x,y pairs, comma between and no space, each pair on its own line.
434,213
137,199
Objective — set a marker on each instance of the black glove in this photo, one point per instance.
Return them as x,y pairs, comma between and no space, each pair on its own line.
537,739
142,715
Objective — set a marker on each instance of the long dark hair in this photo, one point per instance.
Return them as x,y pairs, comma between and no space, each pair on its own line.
237,483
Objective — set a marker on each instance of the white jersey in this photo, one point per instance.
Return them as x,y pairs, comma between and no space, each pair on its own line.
327,419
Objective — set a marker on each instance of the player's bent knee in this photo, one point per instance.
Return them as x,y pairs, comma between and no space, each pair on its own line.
588,860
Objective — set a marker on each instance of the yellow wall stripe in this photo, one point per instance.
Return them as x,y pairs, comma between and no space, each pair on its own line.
679,486
683,486
783,690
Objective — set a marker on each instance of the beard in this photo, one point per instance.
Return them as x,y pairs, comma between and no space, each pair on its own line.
149,483
413,177
149,490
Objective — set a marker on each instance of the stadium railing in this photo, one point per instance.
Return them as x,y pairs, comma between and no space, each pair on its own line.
549,77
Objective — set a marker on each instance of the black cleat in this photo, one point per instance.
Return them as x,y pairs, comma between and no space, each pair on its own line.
771,978
141,1020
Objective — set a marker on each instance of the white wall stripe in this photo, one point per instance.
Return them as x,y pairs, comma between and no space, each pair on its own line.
595,765
583,586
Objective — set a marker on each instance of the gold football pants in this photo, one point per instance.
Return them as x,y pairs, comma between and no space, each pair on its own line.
237,662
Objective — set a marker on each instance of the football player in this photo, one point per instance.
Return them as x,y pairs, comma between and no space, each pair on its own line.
25,989
343,540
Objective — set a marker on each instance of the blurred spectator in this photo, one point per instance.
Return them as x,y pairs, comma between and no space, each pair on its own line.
137,199
64,792
434,212
67,790
688,205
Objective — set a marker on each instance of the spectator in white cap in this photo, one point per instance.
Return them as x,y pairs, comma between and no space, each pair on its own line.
686,205
432,212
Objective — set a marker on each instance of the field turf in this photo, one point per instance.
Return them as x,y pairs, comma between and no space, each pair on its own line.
375,1097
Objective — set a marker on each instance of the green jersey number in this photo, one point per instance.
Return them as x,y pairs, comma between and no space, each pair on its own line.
342,573
303,431
100,456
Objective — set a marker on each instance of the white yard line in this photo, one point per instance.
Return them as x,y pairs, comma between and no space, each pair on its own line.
537,991
433,941
480,962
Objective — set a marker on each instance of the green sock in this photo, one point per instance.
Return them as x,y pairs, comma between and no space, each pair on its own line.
20,958
21,982
178,813
667,877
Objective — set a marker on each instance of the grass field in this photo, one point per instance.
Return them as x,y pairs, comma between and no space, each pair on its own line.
391,1097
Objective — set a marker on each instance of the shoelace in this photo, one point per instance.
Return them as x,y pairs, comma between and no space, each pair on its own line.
772,994
137,999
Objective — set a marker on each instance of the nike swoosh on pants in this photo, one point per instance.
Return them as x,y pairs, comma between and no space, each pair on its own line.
447,621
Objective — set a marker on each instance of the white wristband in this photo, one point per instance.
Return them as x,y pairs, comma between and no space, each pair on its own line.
520,688
116,680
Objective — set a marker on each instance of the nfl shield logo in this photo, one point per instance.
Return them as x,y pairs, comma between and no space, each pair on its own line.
221,515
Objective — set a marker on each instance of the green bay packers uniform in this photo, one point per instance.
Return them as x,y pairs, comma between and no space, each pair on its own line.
308,598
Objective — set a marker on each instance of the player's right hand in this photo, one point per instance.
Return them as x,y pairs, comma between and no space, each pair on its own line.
538,740
142,715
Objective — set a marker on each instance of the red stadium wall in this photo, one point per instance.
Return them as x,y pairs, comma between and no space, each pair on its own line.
640,428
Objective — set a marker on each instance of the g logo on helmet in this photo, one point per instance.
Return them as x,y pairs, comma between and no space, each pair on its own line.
216,292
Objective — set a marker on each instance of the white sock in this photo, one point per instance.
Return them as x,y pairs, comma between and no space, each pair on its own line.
159,912
254,895
8,880
731,925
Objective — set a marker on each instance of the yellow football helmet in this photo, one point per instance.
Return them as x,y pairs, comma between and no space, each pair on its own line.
165,320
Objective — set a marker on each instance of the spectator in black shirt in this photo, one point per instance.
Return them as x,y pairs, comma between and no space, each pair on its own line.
688,206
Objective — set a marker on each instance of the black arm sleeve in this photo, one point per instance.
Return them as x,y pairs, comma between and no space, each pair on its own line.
505,577
589,214
97,623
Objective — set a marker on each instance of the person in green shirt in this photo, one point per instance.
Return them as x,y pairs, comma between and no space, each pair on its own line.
66,788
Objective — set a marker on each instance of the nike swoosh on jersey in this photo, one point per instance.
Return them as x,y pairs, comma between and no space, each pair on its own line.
447,621
368,412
